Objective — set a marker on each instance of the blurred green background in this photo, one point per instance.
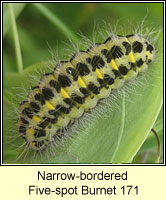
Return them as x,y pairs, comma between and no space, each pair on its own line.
37,33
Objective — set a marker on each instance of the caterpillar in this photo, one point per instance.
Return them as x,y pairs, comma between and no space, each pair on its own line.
77,85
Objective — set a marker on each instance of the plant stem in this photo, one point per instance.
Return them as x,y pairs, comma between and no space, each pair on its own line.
158,146
55,20
16,40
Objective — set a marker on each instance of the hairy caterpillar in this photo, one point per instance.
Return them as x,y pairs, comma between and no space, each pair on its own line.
77,85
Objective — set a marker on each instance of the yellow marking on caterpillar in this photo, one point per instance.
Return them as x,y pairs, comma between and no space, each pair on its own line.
99,75
36,118
113,65
49,105
131,57
81,82
148,54
30,131
64,93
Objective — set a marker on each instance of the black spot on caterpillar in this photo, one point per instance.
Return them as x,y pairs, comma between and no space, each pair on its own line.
77,85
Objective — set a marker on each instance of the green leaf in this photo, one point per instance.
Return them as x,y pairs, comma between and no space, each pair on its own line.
11,141
19,82
158,126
